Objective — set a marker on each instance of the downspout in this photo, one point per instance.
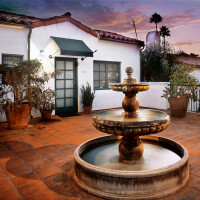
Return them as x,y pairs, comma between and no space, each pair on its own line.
29,50
29,42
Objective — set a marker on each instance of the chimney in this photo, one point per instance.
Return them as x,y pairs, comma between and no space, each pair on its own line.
152,38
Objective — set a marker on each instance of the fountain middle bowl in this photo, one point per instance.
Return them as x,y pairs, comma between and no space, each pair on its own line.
146,121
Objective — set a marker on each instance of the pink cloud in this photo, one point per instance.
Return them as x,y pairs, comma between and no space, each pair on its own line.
195,20
175,20
142,6
186,43
119,21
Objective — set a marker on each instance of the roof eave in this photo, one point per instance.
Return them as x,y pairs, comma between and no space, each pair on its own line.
137,42
14,24
55,20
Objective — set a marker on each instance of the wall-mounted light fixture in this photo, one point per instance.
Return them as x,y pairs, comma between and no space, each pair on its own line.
83,58
41,52
51,56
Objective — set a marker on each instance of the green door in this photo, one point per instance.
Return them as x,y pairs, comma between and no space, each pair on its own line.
66,85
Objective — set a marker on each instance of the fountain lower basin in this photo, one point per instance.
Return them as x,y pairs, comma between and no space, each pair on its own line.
161,171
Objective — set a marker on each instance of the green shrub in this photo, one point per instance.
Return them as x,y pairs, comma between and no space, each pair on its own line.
87,95
182,83
21,83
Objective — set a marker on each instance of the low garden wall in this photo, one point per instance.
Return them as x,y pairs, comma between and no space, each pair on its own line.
152,98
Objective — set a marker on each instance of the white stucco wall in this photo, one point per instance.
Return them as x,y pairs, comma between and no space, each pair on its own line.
152,97
126,54
13,40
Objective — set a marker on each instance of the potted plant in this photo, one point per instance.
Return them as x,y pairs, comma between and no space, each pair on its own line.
16,112
87,98
183,86
16,96
44,101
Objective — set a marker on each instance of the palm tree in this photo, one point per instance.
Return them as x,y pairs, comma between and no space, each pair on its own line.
156,18
164,31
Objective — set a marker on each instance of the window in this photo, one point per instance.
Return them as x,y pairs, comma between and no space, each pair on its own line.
105,73
10,59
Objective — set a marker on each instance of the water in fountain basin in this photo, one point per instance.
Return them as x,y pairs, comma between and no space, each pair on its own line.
154,157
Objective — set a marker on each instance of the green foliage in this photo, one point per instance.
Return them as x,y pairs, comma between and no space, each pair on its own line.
18,78
182,75
43,99
194,55
4,100
164,31
182,83
179,91
87,95
156,64
182,53
19,82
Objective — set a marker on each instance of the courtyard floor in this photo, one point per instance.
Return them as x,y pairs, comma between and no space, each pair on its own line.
36,163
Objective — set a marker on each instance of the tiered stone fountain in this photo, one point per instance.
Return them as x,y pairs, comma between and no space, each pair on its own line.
130,165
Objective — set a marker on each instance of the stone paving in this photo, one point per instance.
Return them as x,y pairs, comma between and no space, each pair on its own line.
36,163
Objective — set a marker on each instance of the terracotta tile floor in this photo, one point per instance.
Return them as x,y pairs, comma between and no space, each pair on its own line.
36,163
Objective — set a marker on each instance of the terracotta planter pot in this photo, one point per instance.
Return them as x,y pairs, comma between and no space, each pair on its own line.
17,117
87,110
46,114
178,106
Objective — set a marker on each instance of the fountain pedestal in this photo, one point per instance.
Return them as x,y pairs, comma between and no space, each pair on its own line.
130,148
130,104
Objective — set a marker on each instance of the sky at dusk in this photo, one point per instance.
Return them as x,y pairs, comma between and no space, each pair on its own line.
182,17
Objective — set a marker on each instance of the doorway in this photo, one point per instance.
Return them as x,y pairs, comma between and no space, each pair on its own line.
66,85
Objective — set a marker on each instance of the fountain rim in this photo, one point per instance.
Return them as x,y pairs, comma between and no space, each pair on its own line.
127,87
129,84
124,173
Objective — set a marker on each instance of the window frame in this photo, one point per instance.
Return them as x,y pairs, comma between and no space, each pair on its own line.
14,55
106,65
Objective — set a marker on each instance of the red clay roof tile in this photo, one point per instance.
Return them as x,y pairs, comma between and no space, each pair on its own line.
12,18
107,35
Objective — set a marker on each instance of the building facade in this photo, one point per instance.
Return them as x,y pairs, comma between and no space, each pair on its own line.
81,54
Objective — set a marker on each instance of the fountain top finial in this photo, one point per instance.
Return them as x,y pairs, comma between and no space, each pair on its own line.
129,79
129,69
